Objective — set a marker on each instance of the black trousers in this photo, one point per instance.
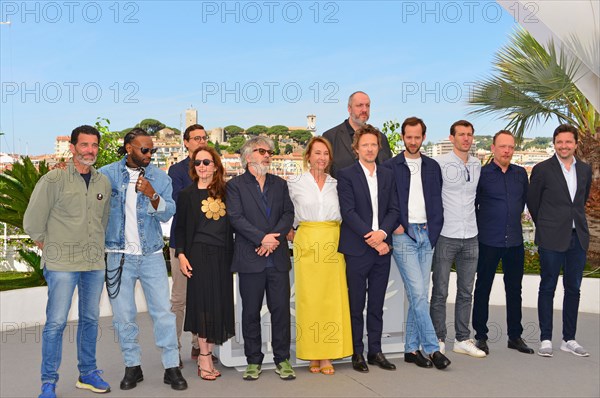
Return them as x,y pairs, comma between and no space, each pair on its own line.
367,274
253,286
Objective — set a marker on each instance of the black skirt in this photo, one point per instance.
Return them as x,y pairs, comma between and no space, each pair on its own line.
209,306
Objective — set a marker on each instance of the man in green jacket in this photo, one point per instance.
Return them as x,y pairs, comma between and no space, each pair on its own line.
66,218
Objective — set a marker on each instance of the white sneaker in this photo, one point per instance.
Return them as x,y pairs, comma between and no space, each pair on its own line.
545,349
442,346
468,347
573,347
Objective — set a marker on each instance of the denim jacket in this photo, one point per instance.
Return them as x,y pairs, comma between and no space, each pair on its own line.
148,218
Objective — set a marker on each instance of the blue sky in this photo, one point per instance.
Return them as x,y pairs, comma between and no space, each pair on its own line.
267,62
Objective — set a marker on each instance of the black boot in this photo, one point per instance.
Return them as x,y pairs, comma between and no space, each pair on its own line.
133,375
175,379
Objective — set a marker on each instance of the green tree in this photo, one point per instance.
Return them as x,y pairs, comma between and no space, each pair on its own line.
235,144
277,130
218,147
531,83
288,149
257,130
152,126
109,143
16,187
232,131
276,149
391,129
300,136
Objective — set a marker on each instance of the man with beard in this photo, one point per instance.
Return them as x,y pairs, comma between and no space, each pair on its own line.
141,200
458,240
501,196
559,188
66,218
341,136
419,190
194,137
261,213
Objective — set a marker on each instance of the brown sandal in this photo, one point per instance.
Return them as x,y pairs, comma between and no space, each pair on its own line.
206,374
213,371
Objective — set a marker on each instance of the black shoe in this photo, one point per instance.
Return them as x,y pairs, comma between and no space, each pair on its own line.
133,375
520,345
175,379
439,360
379,360
418,359
359,364
482,345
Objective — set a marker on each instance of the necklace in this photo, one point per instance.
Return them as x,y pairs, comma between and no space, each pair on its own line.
213,208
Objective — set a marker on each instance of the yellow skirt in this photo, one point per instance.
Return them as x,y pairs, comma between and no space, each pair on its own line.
323,328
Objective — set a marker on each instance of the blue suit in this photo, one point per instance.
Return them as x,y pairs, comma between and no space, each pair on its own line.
254,213
364,263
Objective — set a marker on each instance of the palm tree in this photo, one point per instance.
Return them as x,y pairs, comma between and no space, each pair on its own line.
16,187
532,84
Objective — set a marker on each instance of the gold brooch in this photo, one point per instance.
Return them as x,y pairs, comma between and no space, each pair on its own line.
213,208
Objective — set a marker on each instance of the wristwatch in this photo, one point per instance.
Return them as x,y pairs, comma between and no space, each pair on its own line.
154,197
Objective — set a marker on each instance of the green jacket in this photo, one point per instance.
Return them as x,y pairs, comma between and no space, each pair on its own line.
69,219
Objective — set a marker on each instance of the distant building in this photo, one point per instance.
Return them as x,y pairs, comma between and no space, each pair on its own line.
191,117
444,146
216,134
61,146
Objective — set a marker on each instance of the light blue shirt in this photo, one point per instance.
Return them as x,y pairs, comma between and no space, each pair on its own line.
459,189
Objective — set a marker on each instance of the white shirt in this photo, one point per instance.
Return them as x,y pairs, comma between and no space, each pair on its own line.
416,199
372,183
571,178
458,195
311,203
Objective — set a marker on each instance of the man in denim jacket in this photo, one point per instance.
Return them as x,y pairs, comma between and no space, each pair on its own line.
141,199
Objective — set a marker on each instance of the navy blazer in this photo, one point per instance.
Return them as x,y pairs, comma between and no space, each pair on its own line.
357,210
551,208
249,220
431,178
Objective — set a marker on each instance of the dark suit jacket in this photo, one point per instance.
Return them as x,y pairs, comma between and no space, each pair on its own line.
187,215
357,210
343,154
551,207
249,220
431,178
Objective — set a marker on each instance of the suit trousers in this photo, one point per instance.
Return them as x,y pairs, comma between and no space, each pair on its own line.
253,286
367,274
572,262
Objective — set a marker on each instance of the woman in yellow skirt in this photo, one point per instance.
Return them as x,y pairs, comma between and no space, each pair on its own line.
323,328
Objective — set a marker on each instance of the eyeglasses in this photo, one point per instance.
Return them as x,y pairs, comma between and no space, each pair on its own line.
199,138
205,162
262,151
144,151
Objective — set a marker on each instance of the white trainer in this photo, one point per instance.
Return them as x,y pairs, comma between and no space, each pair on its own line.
574,348
442,346
468,347
545,349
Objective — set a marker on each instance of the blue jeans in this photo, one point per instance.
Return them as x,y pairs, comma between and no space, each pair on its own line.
152,273
61,286
512,267
572,262
464,253
414,263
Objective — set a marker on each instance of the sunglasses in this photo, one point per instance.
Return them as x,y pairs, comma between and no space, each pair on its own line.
199,138
144,151
205,162
262,151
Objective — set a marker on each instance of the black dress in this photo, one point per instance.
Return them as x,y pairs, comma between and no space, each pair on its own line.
206,243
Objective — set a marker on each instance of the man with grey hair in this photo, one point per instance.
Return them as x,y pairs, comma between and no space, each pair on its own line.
340,136
261,213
